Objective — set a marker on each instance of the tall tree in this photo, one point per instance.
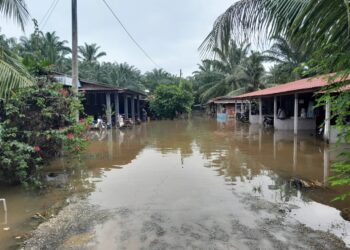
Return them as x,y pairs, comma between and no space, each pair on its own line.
254,71
287,57
225,73
152,79
90,52
54,50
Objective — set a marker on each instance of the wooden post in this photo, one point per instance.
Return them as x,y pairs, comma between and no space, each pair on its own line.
116,107
133,107
108,109
327,122
274,111
260,111
126,111
296,115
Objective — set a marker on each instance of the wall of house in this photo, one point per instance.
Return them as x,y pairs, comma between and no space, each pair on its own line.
288,124
254,119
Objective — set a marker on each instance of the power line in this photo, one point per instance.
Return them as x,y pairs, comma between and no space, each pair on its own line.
47,12
50,13
130,36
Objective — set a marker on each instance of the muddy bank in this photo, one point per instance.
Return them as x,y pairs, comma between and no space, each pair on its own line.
83,226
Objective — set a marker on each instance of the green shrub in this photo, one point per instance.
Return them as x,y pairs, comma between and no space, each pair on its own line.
171,100
37,124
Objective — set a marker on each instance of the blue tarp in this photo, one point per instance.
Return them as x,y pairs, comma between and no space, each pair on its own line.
221,117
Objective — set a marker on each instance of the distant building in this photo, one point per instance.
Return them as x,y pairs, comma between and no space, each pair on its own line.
104,100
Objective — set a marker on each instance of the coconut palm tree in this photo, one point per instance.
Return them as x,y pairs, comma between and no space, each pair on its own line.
254,71
12,73
54,50
223,73
287,58
43,52
90,52
152,79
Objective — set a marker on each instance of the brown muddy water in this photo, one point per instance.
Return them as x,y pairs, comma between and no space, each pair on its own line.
189,184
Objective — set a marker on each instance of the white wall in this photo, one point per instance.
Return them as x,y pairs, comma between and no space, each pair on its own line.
254,119
288,124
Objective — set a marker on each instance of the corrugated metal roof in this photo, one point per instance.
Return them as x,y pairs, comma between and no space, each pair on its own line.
223,99
65,80
303,85
85,85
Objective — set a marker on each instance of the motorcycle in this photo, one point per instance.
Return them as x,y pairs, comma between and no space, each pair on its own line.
268,122
242,117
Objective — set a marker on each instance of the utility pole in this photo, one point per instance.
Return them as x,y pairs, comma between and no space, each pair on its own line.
75,73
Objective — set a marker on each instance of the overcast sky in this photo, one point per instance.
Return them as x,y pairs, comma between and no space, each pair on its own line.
170,31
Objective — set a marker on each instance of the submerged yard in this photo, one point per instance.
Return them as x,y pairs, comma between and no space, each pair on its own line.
195,184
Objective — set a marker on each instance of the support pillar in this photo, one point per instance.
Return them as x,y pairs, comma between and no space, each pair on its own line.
326,163
108,109
274,110
295,153
126,107
138,108
327,122
133,107
116,106
250,108
296,115
260,112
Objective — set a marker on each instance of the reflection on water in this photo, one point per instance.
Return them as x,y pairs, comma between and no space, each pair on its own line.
169,165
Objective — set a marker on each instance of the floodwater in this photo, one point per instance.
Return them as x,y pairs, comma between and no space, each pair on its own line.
191,184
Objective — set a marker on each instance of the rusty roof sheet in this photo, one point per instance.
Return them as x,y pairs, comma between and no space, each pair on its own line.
303,85
306,85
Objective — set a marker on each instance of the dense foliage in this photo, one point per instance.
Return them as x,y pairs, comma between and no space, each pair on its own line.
171,101
233,70
36,124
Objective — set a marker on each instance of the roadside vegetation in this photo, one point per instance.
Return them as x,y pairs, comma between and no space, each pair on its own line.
36,114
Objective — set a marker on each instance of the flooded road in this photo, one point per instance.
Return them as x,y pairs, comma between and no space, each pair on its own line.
194,184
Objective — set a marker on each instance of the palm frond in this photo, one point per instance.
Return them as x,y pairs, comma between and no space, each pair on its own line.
253,20
12,74
16,10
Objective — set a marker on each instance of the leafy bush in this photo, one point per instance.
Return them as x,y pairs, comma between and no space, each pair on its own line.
37,124
171,100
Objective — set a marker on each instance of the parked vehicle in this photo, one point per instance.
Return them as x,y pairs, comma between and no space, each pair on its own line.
99,124
268,122
242,117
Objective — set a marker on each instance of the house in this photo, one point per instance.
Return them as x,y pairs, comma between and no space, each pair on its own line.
291,106
224,107
107,100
